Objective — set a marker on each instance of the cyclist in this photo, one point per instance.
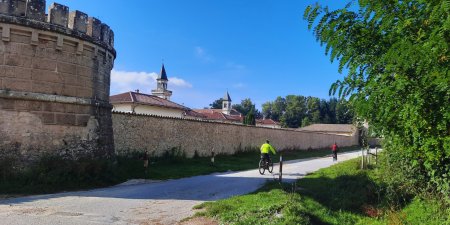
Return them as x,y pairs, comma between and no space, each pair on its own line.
265,148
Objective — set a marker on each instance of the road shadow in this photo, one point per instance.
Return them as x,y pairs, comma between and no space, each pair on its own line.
200,188
352,193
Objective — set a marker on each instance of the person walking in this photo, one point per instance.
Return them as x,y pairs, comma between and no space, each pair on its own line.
145,159
334,150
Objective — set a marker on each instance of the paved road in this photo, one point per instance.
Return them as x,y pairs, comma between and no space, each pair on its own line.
147,203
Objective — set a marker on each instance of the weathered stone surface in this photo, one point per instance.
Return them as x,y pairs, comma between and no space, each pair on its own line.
78,21
58,14
106,33
50,99
4,7
94,28
35,10
35,134
157,135
13,7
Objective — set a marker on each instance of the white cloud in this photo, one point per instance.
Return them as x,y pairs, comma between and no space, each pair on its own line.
203,55
179,82
239,85
234,66
123,81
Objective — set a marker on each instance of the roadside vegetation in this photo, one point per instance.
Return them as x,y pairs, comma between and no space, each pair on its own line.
53,174
396,58
341,194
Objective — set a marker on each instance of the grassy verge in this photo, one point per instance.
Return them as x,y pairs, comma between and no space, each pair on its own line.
163,168
341,194
53,174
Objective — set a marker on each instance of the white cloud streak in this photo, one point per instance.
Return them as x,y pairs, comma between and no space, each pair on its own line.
235,66
123,81
239,85
203,55
179,82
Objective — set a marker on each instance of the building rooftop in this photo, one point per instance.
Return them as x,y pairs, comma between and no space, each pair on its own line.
330,128
217,114
163,74
227,97
267,122
145,99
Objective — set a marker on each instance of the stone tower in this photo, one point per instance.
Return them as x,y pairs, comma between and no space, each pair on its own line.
226,104
161,88
54,82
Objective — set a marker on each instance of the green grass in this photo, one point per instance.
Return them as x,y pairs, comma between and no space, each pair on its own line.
53,174
341,194
161,168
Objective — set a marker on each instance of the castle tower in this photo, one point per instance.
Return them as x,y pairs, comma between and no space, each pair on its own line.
54,89
226,104
161,88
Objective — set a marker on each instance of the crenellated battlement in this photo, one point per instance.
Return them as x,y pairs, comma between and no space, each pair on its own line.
55,75
59,19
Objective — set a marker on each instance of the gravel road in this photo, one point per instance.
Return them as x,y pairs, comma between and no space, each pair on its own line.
147,202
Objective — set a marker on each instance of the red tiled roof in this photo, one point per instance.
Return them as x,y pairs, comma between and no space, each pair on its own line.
144,99
194,114
267,122
217,114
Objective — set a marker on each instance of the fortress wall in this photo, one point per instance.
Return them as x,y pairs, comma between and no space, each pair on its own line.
138,133
54,82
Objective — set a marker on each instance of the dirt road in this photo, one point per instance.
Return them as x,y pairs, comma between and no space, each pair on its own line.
165,202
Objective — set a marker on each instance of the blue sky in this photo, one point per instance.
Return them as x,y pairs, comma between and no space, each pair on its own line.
257,49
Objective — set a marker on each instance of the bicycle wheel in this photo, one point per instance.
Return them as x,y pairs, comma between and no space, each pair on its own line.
270,167
261,166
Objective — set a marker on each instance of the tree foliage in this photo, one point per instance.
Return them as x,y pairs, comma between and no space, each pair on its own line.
217,104
396,57
296,110
250,119
246,106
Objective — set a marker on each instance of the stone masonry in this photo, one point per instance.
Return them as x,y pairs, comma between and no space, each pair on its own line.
54,82
156,134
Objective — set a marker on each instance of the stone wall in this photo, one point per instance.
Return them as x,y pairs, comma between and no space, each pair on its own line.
158,134
54,82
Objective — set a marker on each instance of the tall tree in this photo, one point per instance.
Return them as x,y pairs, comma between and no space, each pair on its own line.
397,59
295,111
332,103
250,118
244,107
325,111
306,122
278,108
313,109
267,110
344,112
217,104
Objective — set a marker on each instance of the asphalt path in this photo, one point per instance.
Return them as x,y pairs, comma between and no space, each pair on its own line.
149,202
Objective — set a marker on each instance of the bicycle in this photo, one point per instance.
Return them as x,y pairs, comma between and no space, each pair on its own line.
265,165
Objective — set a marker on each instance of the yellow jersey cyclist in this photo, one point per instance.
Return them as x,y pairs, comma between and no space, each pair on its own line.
265,149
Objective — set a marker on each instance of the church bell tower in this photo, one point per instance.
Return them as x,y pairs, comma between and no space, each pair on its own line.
226,104
161,88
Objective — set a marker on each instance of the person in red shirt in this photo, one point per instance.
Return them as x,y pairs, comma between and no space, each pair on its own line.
334,149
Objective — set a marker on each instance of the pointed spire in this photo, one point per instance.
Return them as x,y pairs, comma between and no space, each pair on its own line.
162,75
227,97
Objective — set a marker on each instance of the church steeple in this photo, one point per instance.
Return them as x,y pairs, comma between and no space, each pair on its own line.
163,75
226,104
161,86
